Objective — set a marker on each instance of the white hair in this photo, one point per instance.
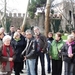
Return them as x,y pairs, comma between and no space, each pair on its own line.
36,27
16,34
6,38
28,31
70,37
1,31
2,28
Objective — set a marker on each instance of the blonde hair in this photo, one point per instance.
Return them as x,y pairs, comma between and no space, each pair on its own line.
16,34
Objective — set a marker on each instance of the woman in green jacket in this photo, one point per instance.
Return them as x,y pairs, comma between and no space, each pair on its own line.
55,49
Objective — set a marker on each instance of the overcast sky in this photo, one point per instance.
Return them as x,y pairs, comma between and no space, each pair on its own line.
18,6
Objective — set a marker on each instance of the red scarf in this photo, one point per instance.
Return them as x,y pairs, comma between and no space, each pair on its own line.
4,53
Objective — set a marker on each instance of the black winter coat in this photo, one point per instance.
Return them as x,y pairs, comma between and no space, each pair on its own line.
65,53
18,48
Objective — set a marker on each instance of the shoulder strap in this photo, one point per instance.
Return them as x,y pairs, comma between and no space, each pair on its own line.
57,47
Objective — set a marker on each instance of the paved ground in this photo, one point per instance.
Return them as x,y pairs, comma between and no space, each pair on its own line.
39,69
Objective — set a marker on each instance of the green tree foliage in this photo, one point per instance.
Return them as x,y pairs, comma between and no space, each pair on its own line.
52,11
33,6
8,22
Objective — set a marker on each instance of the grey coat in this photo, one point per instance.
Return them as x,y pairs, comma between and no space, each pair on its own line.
5,59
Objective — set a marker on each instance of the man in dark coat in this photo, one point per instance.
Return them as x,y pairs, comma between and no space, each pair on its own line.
30,53
12,31
41,48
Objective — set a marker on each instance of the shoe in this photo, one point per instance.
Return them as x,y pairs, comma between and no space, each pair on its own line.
49,72
21,72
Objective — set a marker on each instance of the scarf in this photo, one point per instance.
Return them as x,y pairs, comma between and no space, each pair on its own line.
4,53
18,39
50,39
70,47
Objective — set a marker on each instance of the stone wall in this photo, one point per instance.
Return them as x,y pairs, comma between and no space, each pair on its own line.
17,19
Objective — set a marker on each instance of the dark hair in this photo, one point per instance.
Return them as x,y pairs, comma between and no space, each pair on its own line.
59,34
73,31
50,33
18,29
11,26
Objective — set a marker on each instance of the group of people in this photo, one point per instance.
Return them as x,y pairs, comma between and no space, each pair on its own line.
11,46
62,54
17,48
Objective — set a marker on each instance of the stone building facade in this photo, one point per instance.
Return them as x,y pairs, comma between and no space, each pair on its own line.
66,9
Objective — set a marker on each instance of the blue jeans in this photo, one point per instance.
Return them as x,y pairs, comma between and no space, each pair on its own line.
68,68
31,66
48,63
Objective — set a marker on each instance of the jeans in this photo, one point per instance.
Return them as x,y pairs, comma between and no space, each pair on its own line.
41,55
68,68
31,66
48,63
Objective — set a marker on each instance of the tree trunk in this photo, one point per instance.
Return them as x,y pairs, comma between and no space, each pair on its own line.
3,17
24,20
47,20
